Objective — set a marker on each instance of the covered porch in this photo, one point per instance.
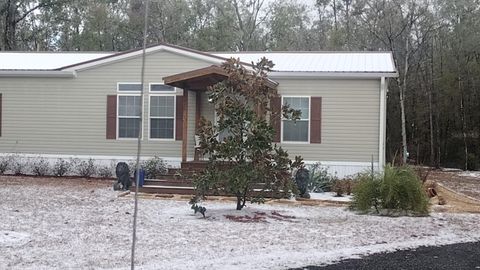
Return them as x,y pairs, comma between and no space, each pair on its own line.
195,104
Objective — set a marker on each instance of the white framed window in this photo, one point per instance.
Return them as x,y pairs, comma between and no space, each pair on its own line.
297,131
129,111
162,108
132,87
161,88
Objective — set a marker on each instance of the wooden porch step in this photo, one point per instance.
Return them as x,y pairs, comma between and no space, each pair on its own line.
165,190
158,189
179,183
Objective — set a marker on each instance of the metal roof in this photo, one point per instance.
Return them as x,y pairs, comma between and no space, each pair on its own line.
44,60
375,62
339,63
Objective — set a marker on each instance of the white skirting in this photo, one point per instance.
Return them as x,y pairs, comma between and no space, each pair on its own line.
341,169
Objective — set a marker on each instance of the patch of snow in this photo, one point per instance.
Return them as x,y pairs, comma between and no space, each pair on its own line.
13,239
473,174
90,228
330,196
451,170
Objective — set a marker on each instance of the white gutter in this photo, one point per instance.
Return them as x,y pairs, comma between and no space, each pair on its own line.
382,125
313,74
37,73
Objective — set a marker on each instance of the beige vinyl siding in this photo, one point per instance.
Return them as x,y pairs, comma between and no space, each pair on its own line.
68,115
350,118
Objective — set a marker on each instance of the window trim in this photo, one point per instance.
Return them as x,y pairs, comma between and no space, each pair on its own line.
308,120
160,92
128,92
136,94
157,94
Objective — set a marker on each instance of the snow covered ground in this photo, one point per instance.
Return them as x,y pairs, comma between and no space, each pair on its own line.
49,226
330,196
473,174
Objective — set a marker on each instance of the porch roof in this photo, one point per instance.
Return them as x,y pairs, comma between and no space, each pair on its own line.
200,79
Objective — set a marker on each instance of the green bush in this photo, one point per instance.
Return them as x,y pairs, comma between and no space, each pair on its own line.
154,167
319,179
397,191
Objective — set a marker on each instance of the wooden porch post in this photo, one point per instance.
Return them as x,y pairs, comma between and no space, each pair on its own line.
185,125
198,111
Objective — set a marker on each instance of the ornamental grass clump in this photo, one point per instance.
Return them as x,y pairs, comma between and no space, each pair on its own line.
397,191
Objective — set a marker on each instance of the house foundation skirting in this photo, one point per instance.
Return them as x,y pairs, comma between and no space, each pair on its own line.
341,169
344,169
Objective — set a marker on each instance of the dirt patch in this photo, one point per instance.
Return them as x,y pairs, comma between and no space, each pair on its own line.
73,182
259,216
467,185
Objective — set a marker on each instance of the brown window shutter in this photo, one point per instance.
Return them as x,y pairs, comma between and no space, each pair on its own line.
179,118
111,117
1,109
316,120
276,105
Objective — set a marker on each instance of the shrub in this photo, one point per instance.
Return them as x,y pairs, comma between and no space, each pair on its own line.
5,163
342,187
397,189
132,165
19,165
106,171
320,180
366,194
154,167
62,167
86,168
40,166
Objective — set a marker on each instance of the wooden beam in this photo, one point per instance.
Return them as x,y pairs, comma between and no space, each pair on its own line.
198,108
185,125
198,112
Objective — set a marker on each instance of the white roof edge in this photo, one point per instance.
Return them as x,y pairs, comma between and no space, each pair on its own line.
38,73
113,58
309,74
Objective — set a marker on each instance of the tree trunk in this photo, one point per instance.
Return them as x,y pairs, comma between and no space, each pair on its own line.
10,26
347,23
464,127
430,120
240,203
335,16
402,89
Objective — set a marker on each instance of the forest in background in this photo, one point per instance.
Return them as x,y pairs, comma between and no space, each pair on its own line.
433,106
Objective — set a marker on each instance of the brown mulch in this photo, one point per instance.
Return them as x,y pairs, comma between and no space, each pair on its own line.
469,186
11,180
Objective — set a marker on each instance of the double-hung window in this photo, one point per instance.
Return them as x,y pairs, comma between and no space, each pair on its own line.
297,131
162,111
129,109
